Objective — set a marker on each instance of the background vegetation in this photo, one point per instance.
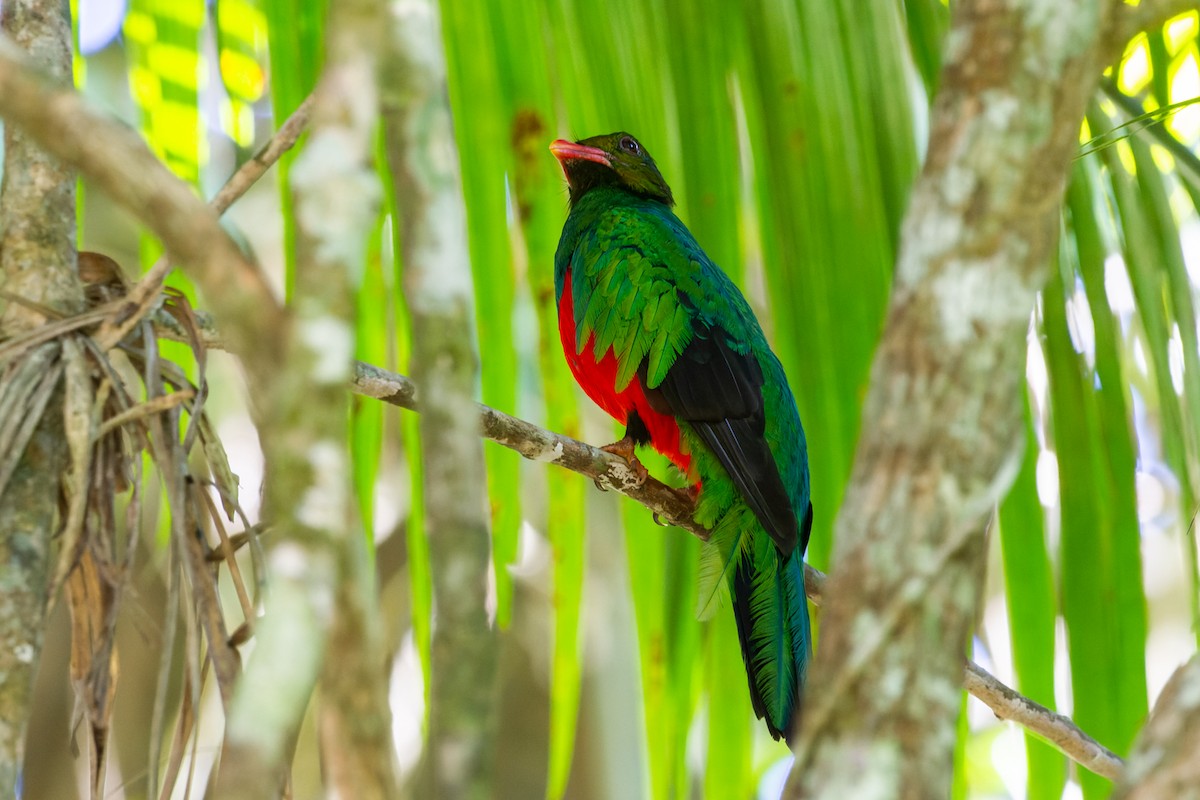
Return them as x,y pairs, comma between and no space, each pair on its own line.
791,133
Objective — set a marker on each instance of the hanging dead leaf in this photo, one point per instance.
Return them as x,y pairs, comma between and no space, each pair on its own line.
90,600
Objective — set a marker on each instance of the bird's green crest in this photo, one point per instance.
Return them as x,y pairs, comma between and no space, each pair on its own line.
614,159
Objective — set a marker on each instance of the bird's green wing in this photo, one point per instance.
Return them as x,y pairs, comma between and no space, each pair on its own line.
644,289
624,279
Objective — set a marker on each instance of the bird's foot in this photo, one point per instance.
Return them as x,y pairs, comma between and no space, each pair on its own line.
625,449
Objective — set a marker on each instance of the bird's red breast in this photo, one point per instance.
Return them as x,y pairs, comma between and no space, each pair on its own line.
599,380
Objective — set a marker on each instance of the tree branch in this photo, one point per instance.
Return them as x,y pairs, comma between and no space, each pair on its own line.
320,620
118,162
611,471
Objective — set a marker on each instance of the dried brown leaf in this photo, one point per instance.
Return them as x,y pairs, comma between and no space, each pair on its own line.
103,279
143,410
77,427
17,345
26,418
18,384
90,599
218,466
204,497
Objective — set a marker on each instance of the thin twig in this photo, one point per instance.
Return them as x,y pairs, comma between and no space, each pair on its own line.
145,293
248,174
155,406
1058,730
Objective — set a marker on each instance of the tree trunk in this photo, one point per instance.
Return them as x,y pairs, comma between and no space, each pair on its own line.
1165,761
423,161
943,422
37,262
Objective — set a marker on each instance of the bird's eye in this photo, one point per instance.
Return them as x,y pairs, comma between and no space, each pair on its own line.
630,145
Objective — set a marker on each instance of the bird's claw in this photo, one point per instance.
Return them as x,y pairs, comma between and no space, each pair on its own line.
625,449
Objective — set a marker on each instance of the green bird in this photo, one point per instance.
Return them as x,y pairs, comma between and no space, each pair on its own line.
660,338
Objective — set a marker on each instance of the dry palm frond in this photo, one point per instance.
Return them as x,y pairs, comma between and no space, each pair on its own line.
121,400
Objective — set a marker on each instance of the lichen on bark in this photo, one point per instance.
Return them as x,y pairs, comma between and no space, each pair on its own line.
37,262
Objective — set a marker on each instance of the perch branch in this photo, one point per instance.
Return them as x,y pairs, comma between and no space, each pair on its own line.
537,444
610,471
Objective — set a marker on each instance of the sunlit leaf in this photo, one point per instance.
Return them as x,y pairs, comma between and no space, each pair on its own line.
1032,614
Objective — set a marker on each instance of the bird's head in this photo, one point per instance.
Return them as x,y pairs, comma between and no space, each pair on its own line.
614,159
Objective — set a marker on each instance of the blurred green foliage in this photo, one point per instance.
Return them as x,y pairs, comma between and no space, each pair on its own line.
791,132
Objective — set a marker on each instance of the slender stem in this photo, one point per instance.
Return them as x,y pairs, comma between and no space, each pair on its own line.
249,173
144,294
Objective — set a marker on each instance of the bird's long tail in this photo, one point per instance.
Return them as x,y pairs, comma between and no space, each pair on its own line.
771,611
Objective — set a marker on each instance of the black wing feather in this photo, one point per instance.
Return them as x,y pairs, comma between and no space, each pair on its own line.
719,392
